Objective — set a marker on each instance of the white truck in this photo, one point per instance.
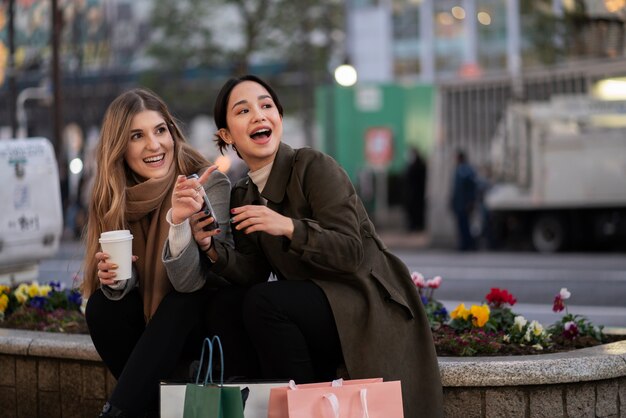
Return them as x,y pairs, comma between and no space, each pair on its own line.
559,172
30,207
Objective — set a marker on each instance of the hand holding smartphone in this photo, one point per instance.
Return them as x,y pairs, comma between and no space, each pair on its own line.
206,208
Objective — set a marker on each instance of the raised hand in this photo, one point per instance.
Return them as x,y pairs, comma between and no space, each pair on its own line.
253,218
187,196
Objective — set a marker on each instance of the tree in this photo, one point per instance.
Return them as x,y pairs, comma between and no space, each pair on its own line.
236,34
182,35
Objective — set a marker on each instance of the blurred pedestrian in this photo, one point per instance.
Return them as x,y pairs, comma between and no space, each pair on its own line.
463,201
415,188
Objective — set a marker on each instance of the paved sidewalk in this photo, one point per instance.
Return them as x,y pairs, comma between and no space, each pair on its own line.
404,240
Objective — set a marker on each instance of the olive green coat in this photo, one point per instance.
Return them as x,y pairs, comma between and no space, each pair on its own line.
382,325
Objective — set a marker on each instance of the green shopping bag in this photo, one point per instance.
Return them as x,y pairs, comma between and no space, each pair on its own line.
210,400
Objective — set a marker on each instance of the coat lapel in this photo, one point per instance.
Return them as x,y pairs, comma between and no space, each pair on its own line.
276,185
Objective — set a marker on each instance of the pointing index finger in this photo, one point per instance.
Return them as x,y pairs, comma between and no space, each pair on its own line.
204,177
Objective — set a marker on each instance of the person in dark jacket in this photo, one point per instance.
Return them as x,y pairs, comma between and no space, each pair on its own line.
339,304
463,200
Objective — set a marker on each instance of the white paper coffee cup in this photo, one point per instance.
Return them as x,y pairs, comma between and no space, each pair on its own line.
119,246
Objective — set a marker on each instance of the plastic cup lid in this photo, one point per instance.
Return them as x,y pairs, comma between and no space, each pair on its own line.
122,234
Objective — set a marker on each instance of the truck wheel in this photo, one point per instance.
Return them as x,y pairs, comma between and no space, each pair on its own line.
548,234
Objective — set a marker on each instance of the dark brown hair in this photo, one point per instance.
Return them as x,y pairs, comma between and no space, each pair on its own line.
220,110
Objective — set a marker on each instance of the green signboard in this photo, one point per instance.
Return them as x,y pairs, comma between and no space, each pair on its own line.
369,127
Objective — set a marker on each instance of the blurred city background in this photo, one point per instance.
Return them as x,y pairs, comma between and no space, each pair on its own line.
532,91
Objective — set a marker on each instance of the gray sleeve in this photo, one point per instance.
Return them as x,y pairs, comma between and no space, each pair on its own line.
188,272
117,294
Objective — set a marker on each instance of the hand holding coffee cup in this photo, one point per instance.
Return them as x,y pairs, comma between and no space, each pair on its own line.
115,260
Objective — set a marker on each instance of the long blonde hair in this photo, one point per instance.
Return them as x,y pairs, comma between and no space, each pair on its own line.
107,203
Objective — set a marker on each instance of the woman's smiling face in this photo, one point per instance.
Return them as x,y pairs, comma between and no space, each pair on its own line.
150,150
255,126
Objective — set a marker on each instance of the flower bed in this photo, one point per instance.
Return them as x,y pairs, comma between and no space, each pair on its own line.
492,328
486,329
49,307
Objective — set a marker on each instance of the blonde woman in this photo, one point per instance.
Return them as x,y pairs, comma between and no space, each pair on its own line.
140,327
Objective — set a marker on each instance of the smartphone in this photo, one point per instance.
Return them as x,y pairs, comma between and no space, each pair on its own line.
206,208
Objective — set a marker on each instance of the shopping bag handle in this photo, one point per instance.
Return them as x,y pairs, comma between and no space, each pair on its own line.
214,340
205,343
208,377
334,403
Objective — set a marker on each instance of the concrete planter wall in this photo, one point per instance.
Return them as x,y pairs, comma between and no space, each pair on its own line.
57,375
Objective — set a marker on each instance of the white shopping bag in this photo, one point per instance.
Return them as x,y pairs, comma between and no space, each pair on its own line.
173,398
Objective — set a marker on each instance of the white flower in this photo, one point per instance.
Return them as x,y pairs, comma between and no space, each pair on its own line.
536,328
520,322
564,293
538,346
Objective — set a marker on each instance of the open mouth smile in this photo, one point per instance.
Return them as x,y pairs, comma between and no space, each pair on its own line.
261,134
154,159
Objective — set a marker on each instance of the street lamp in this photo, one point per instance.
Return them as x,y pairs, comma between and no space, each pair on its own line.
345,75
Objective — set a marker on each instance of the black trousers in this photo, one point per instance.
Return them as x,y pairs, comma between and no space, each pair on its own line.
139,355
293,330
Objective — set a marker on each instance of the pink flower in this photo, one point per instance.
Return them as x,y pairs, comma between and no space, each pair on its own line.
418,279
434,283
564,293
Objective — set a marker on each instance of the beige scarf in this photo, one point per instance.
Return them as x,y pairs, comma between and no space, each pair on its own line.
146,206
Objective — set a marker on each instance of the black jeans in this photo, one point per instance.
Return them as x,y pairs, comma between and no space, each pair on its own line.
293,330
140,354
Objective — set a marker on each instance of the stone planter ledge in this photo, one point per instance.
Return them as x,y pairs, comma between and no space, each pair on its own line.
589,364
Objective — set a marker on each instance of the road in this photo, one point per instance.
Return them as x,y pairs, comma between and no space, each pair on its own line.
597,282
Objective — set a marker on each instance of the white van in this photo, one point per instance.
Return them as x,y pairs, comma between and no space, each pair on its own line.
31,216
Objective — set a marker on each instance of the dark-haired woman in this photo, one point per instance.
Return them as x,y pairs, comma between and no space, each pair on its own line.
341,305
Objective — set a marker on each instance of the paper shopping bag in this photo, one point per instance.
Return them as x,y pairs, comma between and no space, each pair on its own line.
367,400
210,400
172,397
277,407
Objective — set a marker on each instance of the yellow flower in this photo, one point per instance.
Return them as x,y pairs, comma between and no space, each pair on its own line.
480,315
5,289
33,289
21,293
4,302
460,312
44,290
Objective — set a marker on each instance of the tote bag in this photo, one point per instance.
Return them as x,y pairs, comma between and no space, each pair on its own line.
210,400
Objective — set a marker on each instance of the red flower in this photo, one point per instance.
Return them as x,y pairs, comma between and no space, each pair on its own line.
499,297
558,304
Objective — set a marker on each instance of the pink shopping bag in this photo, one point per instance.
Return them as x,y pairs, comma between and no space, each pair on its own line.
281,407
367,400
